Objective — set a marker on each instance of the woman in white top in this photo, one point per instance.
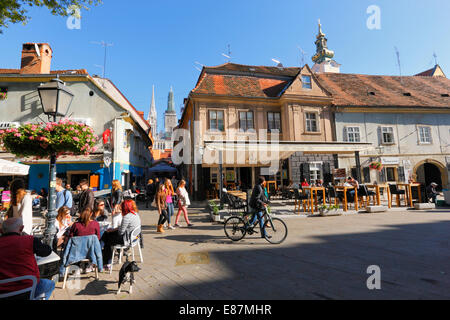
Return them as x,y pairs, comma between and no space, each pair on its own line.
62,223
183,203
22,205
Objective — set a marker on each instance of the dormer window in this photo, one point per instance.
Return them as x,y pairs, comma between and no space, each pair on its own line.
306,82
407,94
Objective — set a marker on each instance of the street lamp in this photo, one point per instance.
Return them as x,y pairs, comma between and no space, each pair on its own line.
55,100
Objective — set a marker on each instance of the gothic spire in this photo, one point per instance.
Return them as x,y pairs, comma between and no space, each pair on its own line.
171,102
153,105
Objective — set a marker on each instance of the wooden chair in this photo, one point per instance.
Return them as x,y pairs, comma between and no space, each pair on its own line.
365,195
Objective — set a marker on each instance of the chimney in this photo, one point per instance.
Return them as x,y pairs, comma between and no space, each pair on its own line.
36,58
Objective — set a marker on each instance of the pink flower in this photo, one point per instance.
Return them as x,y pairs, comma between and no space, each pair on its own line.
31,138
18,135
84,129
94,149
76,139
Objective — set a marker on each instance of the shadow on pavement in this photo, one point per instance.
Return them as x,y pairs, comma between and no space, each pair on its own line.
96,288
413,258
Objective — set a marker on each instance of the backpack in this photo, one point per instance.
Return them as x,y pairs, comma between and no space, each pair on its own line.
73,210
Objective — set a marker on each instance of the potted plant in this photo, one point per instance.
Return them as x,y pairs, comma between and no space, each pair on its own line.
376,165
44,139
324,209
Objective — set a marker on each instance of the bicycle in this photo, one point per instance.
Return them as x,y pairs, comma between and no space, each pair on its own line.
236,227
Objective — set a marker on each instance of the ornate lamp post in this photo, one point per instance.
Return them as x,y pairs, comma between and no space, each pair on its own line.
55,100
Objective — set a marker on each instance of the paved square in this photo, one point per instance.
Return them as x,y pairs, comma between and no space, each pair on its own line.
322,258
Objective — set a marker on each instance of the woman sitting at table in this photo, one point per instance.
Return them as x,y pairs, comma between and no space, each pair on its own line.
120,235
85,226
305,183
100,213
63,222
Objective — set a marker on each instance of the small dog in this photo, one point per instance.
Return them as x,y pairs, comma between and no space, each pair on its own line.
126,274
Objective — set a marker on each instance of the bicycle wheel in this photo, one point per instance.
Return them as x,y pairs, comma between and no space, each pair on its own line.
235,228
276,230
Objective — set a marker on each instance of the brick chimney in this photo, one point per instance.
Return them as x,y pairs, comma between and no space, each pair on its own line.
36,58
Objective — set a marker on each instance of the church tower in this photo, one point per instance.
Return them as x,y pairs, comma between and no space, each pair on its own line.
323,57
153,117
170,116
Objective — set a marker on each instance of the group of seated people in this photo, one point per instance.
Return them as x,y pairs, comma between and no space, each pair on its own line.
18,249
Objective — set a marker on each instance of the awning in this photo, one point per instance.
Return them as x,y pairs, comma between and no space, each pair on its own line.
8,168
284,149
160,168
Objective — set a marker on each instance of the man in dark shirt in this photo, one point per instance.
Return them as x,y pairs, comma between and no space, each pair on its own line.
432,192
18,258
86,198
258,202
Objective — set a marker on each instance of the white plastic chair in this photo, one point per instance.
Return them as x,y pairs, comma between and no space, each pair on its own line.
134,241
66,272
31,289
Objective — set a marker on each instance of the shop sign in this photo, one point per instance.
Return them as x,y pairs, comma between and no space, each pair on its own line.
390,161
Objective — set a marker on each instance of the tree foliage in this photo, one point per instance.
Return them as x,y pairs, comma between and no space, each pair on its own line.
15,11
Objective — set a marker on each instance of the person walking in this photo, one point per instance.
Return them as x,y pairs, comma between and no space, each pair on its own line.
116,202
258,203
151,191
63,196
161,205
21,205
183,203
86,197
169,201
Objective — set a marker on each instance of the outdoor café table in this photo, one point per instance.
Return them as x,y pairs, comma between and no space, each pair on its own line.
345,189
104,225
313,193
378,187
408,191
270,183
48,266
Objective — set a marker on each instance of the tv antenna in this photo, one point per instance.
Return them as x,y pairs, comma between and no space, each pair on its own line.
104,45
399,64
435,58
303,53
279,64
103,72
198,68
228,55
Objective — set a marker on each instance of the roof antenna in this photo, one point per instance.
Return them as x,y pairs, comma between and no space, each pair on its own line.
228,55
104,45
303,56
279,64
435,58
201,65
399,64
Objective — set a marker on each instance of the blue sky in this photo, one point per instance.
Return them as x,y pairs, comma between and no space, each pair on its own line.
158,42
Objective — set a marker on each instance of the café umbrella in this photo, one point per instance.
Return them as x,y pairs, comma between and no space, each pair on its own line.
9,168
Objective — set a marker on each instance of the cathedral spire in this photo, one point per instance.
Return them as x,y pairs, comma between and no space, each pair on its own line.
171,102
153,105
152,116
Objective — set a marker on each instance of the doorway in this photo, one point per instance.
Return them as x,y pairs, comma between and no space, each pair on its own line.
428,173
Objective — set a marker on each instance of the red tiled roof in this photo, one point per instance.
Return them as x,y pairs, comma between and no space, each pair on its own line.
240,86
356,89
76,71
240,68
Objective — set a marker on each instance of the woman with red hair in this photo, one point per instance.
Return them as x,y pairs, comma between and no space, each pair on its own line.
121,235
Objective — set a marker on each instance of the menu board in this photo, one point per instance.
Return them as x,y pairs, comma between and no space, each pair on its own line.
339,173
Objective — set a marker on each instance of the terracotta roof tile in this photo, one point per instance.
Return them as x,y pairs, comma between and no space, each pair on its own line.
354,90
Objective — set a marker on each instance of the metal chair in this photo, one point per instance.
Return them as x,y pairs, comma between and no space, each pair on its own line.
22,292
133,241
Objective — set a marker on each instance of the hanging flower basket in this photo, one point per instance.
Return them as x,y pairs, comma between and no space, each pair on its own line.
42,140
376,166
3,94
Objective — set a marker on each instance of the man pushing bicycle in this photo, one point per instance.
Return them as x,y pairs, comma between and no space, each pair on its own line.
258,203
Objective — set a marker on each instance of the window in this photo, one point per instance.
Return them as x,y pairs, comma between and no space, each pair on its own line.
311,122
387,135
353,134
425,135
246,121
390,174
273,121
306,82
216,120
214,175
315,171
127,139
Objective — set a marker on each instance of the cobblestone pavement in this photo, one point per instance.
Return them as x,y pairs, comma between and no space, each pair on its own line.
322,258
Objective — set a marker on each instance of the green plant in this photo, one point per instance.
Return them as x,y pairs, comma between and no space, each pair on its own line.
42,140
214,207
329,208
